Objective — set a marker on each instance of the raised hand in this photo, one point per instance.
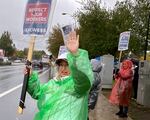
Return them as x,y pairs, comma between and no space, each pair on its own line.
73,42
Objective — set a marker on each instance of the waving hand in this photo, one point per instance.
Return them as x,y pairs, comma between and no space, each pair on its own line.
73,42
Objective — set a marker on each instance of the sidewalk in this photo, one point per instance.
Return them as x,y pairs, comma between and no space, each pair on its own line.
105,111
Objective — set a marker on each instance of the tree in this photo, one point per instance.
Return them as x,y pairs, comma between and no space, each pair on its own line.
95,29
100,28
122,20
6,44
140,24
37,54
25,51
20,54
55,40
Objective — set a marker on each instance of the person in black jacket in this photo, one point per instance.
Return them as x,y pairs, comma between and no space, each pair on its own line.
96,86
135,77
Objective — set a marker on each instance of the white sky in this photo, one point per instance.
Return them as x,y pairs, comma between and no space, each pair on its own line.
12,18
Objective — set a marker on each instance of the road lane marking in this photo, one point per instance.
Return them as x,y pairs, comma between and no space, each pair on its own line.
18,86
9,91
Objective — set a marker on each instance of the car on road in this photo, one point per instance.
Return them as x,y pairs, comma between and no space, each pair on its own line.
17,61
37,65
4,61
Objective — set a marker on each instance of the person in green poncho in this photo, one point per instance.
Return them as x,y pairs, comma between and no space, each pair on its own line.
64,97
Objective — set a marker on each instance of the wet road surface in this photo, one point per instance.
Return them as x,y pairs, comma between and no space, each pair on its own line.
11,79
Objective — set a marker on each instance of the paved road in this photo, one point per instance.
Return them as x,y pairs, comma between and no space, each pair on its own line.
10,90
10,76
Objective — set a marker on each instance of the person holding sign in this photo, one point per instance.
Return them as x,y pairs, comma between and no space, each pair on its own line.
122,89
64,97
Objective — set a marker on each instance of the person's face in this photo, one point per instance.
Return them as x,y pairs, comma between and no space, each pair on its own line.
63,69
125,65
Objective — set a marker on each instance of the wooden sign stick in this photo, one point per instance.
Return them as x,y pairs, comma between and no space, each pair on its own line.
120,58
26,77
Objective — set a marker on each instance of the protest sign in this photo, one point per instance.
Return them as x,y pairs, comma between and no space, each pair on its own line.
124,41
37,17
65,31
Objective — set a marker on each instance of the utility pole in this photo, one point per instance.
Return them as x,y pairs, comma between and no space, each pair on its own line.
147,34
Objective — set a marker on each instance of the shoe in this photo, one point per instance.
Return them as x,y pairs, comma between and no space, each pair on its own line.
119,113
123,115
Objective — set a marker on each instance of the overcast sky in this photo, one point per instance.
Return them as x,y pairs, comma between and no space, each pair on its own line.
12,18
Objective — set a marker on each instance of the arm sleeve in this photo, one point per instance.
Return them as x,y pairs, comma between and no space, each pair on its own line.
81,71
34,85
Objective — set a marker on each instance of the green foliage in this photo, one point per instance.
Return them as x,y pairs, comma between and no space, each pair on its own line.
25,51
141,13
20,54
38,54
6,44
96,30
122,19
55,40
100,28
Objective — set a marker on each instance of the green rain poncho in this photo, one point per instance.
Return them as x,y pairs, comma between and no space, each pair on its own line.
67,98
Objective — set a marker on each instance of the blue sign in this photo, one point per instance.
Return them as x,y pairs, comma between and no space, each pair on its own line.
36,17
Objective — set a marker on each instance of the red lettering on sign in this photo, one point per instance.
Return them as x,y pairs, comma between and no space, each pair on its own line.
37,13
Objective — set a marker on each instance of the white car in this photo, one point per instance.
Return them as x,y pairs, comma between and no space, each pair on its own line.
5,61
17,61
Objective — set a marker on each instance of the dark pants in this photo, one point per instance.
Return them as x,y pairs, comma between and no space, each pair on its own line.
123,109
135,88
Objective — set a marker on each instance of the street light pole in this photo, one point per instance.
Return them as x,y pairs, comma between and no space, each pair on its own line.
146,41
72,17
